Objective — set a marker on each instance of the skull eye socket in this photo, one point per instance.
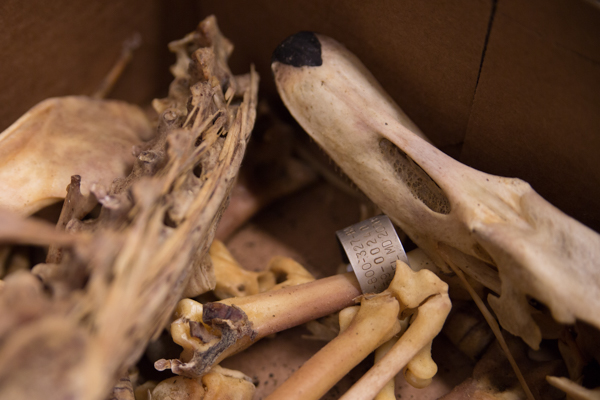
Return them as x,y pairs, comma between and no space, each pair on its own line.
415,178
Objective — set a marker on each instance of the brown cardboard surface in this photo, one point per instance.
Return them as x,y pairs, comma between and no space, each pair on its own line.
536,111
426,54
62,47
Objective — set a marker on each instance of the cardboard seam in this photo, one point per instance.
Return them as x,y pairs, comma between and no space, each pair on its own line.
485,45
483,52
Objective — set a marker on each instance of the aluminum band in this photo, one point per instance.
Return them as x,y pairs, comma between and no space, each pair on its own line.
372,247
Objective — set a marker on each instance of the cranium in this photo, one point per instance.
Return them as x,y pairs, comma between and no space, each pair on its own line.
497,230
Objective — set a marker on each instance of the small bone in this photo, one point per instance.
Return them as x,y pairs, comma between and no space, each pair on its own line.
425,291
375,323
16,229
293,272
123,390
234,281
573,390
219,384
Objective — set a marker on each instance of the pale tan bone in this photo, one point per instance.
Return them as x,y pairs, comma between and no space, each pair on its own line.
257,316
456,214
374,324
144,391
323,329
232,280
66,136
388,391
235,281
426,292
377,321
573,390
219,384
14,228
293,272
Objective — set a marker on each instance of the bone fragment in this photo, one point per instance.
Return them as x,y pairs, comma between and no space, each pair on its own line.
421,369
293,272
264,314
16,229
107,84
234,281
144,391
178,388
375,323
62,137
388,392
231,279
123,390
414,290
495,229
76,206
467,329
324,329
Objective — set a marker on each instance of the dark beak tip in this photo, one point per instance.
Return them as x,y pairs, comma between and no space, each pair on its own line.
302,49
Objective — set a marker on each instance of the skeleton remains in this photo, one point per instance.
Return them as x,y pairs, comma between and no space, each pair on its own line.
110,283
497,230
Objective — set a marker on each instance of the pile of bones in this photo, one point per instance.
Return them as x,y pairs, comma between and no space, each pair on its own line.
132,252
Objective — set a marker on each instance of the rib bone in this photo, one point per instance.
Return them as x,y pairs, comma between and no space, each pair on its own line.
489,226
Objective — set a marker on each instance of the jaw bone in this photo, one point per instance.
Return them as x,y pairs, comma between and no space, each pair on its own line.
498,230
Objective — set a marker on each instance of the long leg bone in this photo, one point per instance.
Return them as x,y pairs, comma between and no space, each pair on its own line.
377,321
429,295
244,320
388,392
480,222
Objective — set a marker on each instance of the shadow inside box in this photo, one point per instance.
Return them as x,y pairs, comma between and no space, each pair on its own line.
301,226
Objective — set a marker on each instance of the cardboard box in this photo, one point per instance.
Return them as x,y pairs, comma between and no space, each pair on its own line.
516,82
510,87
